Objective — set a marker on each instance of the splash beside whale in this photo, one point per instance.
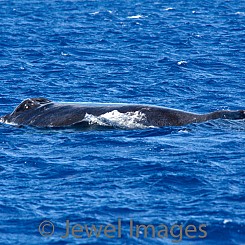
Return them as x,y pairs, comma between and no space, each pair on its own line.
41,112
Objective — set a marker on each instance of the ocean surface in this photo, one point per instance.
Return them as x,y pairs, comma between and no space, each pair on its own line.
169,185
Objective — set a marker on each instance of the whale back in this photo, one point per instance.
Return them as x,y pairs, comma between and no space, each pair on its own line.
42,112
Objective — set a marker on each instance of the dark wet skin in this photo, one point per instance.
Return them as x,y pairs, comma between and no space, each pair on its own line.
41,112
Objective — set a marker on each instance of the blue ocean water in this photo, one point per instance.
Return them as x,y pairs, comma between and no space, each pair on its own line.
188,55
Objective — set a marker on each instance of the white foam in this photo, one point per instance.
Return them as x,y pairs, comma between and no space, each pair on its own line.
240,13
182,62
135,17
64,54
128,120
7,122
94,13
227,221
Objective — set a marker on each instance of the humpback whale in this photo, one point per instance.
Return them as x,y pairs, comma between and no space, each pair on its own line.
41,112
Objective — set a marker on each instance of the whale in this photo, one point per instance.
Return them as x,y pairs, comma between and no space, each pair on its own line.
44,113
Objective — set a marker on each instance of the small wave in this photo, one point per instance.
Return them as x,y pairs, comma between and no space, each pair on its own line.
94,13
128,120
167,9
240,13
64,54
182,62
135,17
